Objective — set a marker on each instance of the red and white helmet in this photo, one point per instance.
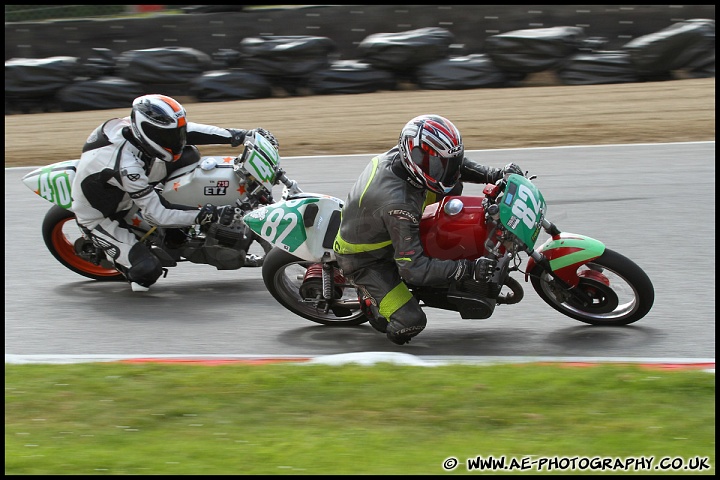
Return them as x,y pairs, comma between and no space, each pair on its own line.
431,150
159,124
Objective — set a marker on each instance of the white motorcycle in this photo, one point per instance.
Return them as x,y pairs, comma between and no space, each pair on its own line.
245,181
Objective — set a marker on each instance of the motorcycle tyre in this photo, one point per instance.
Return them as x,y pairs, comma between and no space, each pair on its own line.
620,265
64,250
275,262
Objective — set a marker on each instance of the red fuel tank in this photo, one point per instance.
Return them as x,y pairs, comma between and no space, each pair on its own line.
450,230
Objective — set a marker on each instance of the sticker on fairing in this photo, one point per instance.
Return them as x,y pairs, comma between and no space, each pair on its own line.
55,187
282,225
220,188
522,209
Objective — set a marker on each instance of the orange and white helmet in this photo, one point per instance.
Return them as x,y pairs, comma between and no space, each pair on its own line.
159,124
431,150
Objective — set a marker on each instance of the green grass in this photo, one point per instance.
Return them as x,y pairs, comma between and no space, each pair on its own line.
115,418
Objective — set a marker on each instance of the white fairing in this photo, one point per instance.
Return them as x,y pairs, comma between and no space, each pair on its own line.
215,180
53,182
224,180
291,226
313,248
211,181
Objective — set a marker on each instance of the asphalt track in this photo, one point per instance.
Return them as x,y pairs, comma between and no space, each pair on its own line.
654,204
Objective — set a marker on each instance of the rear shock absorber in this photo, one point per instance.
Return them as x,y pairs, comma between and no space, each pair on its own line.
330,275
322,280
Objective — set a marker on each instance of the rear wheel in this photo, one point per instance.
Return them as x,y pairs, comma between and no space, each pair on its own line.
61,232
297,285
621,291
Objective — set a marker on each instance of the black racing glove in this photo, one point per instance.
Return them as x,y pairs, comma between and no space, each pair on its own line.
479,270
212,214
269,137
512,168
238,136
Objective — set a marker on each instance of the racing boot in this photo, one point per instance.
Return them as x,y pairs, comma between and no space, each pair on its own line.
136,287
252,260
371,311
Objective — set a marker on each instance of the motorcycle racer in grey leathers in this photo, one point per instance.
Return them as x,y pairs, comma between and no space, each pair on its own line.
378,244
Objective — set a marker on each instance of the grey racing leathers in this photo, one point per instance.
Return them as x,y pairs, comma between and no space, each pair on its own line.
378,244
113,175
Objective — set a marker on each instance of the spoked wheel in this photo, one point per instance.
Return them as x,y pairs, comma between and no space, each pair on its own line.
621,291
297,285
61,232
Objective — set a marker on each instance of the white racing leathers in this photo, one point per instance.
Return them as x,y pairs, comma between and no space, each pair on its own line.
113,175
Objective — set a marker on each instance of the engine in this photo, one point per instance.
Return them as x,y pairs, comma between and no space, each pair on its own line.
474,299
225,247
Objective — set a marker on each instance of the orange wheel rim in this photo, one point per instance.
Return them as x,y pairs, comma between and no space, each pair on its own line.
66,250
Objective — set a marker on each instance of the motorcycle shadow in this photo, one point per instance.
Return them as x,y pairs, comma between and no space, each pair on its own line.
181,299
582,339
575,341
189,301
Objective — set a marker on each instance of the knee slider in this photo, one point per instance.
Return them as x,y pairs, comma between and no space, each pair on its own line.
145,267
403,335
400,331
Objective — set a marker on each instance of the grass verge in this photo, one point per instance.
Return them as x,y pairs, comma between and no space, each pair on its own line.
115,418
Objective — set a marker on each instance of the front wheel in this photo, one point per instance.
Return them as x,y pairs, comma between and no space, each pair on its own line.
621,291
297,285
60,232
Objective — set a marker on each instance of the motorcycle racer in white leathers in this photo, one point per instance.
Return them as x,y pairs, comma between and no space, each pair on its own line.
121,163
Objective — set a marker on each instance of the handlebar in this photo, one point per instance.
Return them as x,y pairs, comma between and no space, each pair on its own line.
291,186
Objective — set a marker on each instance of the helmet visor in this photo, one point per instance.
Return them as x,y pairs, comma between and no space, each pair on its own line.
171,139
440,171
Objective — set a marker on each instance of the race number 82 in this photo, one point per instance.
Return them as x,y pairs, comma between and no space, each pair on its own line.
521,209
280,224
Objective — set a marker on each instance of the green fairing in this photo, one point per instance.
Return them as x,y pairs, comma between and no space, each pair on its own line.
270,153
522,208
589,248
281,223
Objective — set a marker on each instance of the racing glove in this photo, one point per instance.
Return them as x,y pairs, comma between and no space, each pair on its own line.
511,168
212,214
237,136
479,270
268,136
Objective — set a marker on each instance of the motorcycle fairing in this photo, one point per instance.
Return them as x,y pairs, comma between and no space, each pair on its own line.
297,225
522,208
211,180
261,160
53,182
226,180
566,252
